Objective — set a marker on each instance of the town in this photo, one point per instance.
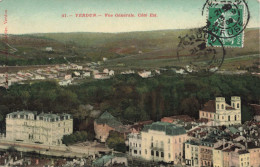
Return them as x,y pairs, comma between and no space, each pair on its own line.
218,138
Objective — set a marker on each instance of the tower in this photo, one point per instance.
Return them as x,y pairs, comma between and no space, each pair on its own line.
236,102
220,104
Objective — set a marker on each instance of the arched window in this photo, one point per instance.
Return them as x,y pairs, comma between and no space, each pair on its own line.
237,105
222,106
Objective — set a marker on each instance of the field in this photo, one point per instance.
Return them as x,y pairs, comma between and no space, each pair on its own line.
124,50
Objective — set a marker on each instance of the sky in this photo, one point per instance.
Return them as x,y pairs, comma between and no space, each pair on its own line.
43,16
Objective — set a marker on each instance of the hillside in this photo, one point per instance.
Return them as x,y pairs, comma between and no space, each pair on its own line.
133,49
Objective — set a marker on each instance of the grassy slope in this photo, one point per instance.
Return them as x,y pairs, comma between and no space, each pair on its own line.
158,47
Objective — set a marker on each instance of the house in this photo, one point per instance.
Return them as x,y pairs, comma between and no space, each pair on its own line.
101,76
86,74
104,59
111,73
48,49
221,113
106,123
145,74
30,127
67,76
65,82
163,141
192,153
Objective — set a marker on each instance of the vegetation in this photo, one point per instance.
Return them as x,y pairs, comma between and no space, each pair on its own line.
116,141
77,137
132,98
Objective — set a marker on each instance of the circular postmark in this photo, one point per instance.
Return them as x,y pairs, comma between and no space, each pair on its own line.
226,19
197,54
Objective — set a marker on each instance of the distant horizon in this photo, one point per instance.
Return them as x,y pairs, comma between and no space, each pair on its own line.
111,32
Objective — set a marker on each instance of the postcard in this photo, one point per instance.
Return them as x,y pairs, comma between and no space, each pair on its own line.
129,83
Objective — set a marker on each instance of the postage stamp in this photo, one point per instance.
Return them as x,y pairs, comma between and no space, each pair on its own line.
227,21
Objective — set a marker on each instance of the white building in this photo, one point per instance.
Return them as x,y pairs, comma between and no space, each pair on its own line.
48,49
135,144
65,82
145,74
222,113
48,129
163,141
192,153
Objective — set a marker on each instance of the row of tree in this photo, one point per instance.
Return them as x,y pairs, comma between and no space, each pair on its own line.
132,98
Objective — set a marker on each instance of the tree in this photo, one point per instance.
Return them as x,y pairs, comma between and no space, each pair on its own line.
116,141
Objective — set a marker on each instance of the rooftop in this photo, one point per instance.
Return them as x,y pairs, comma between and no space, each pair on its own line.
110,120
168,128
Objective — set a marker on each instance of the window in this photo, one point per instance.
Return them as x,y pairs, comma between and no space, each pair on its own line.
169,141
187,146
229,118
139,145
130,143
210,116
203,113
135,151
140,152
206,114
169,155
222,106
162,154
233,105
157,153
218,106
223,117
145,151
152,145
152,152
152,138
180,140
237,105
235,117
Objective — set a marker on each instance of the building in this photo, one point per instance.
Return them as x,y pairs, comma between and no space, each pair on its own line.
27,126
145,74
221,113
256,109
206,153
163,141
135,144
106,123
49,49
192,153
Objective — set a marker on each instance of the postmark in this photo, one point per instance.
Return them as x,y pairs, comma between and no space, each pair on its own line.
197,55
227,21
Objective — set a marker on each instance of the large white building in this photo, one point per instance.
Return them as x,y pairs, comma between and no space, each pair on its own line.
221,113
163,141
27,126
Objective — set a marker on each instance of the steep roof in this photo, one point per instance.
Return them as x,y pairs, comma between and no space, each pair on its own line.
210,106
110,120
168,128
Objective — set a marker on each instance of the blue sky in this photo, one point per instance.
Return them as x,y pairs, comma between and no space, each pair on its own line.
32,16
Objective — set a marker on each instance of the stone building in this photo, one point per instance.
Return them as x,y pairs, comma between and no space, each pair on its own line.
163,141
221,113
106,123
27,126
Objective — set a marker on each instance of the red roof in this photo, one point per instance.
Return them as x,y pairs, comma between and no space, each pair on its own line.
210,106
